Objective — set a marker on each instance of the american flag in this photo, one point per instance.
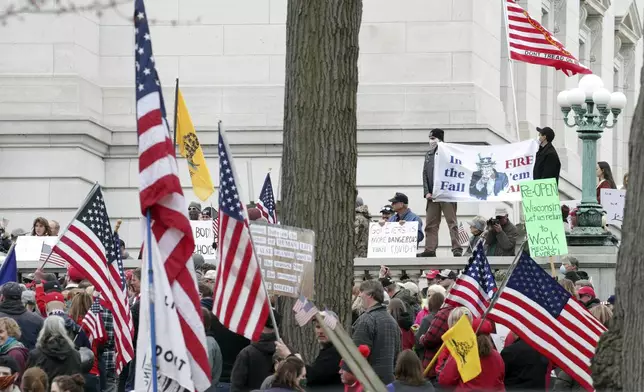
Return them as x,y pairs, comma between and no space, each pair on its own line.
92,322
161,194
54,257
240,301
330,319
463,237
215,226
475,287
304,311
531,43
266,202
535,307
119,262
88,245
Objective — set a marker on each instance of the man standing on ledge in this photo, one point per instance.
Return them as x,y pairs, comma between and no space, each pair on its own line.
546,163
400,204
434,208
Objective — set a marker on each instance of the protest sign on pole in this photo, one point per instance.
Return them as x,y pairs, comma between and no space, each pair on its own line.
613,201
204,237
287,258
543,220
393,239
482,173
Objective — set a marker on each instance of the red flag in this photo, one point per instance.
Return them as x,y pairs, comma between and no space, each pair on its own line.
531,43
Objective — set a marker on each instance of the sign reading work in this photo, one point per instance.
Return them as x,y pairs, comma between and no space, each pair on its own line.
393,239
543,220
204,237
287,258
613,201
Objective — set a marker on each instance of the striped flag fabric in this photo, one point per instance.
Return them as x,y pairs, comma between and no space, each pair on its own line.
474,287
119,262
240,301
88,245
54,258
541,312
304,311
160,193
215,227
266,202
92,322
463,237
532,43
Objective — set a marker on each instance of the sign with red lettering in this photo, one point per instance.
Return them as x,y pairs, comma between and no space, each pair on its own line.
482,173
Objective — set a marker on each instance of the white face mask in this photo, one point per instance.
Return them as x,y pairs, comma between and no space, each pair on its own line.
433,143
562,269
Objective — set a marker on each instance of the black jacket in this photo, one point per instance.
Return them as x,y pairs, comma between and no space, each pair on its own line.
56,357
30,323
525,368
546,163
254,363
229,343
324,371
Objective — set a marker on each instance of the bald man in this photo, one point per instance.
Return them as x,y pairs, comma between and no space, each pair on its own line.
54,226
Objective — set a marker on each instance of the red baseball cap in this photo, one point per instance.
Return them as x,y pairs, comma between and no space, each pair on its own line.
54,296
586,290
432,274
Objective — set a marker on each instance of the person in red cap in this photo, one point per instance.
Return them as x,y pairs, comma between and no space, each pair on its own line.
350,381
492,366
588,297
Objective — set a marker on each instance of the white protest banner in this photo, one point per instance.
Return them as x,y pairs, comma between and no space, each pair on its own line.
488,173
613,201
393,239
173,366
204,237
28,247
286,257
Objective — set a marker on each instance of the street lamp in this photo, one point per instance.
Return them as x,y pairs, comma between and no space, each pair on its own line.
591,104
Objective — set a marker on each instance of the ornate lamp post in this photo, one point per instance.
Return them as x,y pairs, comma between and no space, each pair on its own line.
591,105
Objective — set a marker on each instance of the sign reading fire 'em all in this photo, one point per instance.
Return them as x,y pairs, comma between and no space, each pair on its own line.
287,258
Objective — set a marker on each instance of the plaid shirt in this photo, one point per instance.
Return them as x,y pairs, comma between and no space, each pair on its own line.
378,330
109,355
431,340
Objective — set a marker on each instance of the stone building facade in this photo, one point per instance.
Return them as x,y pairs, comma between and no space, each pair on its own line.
67,93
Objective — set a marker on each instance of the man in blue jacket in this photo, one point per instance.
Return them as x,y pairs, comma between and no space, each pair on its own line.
403,214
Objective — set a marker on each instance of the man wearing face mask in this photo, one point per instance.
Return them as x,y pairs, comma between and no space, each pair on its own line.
433,208
546,163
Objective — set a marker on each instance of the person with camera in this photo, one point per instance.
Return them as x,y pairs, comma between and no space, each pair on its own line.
501,237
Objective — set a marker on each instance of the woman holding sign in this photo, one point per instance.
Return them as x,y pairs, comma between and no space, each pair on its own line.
605,176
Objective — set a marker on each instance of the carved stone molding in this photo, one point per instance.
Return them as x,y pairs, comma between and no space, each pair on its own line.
559,10
583,15
596,26
628,54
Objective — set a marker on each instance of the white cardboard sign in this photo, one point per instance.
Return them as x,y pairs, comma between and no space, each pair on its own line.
613,201
28,247
204,237
393,239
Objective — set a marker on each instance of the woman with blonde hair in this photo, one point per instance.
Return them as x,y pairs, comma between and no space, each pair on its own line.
34,380
9,344
452,319
569,286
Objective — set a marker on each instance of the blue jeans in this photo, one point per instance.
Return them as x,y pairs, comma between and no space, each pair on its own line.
223,387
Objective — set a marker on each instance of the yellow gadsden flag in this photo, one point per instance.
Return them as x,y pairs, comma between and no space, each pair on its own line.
460,340
190,149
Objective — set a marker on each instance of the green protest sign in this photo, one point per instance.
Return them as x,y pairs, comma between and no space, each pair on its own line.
543,221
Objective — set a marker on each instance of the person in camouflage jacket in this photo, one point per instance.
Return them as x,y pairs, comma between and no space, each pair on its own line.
361,227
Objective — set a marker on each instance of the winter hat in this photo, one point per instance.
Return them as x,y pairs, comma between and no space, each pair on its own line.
478,222
548,133
74,274
611,299
364,350
486,326
254,214
12,290
359,202
194,204
438,134
29,297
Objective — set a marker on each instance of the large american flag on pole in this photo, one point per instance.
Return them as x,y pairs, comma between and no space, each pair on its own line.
535,307
88,245
266,202
532,43
161,194
474,287
240,301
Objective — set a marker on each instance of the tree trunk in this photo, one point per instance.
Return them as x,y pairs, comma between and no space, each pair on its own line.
615,369
320,149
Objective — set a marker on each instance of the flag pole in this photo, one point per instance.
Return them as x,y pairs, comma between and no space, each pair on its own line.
496,296
176,106
511,66
153,336
89,194
268,298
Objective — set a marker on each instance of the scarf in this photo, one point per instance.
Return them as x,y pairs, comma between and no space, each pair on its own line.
7,381
10,344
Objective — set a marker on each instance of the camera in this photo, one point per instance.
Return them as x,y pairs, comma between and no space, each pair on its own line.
493,221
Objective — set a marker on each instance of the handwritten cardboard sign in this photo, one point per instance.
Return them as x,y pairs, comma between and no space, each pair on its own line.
204,237
393,239
613,201
543,220
287,258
